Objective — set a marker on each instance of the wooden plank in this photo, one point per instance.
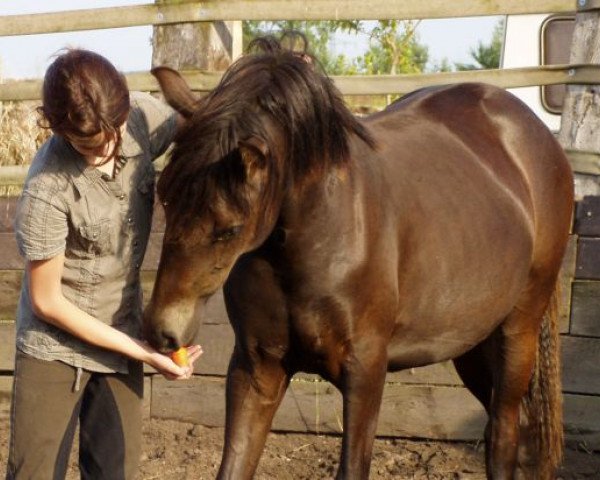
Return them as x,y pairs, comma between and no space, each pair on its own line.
202,400
587,216
211,10
214,310
7,210
152,255
419,411
379,85
442,373
580,365
12,177
158,217
581,420
146,406
10,258
585,305
583,162
407,411
437,374
588,259
5,396
7,352
565,280
10,288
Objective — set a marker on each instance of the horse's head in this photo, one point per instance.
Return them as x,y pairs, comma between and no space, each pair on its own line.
218,205
271,120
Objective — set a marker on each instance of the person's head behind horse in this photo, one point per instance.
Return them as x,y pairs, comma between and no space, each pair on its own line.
273,93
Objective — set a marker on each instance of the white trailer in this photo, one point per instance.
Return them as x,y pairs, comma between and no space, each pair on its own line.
534,40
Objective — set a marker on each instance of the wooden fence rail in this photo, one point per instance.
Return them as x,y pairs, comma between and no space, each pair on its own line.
363,84
152,14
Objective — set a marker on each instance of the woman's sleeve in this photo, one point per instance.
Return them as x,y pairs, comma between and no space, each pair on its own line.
41,225
161,121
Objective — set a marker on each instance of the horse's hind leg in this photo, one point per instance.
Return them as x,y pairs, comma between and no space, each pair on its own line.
473,368
513,367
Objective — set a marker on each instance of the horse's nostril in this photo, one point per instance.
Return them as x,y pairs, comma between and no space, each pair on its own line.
170,341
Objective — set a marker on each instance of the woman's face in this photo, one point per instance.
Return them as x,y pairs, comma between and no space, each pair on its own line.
98,148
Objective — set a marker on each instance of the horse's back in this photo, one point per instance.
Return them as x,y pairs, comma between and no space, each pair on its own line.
530,163
481,127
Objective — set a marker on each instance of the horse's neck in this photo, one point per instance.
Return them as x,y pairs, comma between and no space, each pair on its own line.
319,194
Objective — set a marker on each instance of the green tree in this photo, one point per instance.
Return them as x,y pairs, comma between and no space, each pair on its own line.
442,66
486,55
318,34
394,48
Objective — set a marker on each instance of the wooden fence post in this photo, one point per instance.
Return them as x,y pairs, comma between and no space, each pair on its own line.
580,120
580,123
200,45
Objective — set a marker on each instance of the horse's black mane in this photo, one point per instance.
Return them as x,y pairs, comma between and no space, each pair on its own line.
274,84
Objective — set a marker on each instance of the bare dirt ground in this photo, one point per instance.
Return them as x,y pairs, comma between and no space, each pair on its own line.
183,451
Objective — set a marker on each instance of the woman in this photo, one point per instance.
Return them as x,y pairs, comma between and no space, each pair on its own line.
82,225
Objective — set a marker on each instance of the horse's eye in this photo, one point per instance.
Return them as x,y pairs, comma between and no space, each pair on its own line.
226,234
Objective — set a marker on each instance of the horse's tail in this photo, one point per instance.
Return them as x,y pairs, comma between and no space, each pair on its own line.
543,403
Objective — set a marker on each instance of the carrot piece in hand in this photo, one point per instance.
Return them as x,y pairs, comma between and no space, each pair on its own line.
180,357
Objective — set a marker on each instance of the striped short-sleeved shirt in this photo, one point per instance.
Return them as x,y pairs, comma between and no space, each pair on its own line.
101,224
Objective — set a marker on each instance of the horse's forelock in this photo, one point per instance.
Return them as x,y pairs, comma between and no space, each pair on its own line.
190,190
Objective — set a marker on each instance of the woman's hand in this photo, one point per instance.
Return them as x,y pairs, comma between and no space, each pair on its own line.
165,365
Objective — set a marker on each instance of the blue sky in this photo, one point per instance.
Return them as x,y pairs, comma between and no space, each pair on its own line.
130,50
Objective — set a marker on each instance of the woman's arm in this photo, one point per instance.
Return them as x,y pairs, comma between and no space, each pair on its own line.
49,303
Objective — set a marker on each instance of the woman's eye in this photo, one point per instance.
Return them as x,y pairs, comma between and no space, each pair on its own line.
226,234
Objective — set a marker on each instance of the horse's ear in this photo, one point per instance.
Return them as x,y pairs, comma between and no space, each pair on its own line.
253,152
176,91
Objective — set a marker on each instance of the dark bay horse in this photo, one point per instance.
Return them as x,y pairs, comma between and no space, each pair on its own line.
350,247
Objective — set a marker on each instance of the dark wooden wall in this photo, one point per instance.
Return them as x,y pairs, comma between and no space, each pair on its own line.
427,402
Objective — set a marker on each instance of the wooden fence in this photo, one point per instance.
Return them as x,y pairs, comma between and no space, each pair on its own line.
427,402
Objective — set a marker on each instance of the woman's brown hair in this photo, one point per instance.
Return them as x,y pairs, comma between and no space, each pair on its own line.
84,95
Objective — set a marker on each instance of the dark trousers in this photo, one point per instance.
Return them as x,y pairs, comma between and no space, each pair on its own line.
47,403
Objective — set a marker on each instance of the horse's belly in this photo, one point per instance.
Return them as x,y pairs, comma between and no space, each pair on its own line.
451,304
409,352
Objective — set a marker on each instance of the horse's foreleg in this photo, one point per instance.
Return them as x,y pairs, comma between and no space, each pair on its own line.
515,361
253,395
362,389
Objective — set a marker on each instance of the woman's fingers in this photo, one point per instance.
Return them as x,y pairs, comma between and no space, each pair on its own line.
194,353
